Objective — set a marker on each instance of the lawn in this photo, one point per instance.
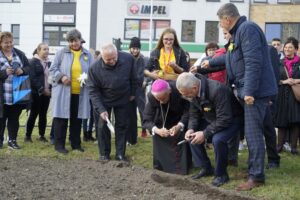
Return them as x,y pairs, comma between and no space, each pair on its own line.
282,183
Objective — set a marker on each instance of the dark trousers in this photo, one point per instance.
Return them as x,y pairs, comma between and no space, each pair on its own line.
138,102
39,107
11,115
2,128
60,126
87,125
255,117
220,143
270,138
121,129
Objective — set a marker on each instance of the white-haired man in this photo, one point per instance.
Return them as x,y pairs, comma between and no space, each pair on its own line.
112,84
217,104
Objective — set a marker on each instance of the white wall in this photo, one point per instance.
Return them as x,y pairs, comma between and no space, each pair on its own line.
28,14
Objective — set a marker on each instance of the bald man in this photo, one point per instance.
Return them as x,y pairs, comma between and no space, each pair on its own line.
112,85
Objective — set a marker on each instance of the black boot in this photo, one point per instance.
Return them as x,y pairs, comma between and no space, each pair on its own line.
86,136
90,136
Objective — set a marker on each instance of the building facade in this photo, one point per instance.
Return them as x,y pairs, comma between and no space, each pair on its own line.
101,21
195,21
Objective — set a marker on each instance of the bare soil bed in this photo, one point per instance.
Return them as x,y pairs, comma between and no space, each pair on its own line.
41,178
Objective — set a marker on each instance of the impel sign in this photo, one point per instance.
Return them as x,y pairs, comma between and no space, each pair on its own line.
144,9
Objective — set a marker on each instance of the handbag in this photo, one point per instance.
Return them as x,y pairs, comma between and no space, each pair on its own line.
21,89
295,87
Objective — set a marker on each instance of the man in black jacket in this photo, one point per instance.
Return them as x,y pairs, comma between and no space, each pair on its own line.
217,104
112,84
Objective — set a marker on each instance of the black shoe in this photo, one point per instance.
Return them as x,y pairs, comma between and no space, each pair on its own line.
120,158
12,144
86,137
62,151
42,139
1,144
220,180
203,173
28,139
104,158
92,138
80,149
233,163
272,165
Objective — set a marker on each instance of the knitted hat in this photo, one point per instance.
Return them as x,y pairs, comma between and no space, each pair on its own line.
159,86
135,42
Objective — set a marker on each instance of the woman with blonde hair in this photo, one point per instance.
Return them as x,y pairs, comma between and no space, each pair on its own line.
13,63
41,93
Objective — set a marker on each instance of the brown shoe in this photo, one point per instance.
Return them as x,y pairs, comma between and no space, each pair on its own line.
249,185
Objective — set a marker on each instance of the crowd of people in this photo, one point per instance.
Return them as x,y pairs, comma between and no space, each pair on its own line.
245,89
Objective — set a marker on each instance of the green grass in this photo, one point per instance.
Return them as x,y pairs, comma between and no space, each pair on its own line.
281,184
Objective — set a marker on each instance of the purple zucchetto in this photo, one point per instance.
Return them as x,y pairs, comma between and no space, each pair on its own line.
159,86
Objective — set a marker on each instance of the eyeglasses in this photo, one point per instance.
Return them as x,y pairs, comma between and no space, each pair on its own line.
169,39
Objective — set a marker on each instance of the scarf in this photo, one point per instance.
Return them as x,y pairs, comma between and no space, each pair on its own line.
289,63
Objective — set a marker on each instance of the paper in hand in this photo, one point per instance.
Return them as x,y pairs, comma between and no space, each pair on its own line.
110,126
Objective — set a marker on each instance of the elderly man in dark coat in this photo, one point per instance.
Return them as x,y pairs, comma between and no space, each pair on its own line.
112,84
166,116
219,107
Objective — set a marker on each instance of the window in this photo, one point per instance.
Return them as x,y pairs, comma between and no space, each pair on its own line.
10,1
284,1
60,1
0,27
56,35
260,1
211,31
141,28
15,30
240,1
272,31
188,30
213,0
282,31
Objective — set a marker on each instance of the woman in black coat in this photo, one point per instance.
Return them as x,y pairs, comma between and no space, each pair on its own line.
287,115
168,59
41,92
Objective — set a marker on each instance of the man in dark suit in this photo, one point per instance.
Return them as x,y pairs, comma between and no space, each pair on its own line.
112,85
219,107
249,68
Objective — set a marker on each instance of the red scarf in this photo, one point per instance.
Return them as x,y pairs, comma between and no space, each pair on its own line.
288,63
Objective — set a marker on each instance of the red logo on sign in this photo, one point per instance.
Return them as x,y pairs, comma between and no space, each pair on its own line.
134,9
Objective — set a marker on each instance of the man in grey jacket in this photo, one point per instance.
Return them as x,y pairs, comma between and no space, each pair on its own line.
112,85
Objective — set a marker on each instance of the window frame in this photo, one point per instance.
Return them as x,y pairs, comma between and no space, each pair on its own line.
60,1
217,29
155,37
15,38
10,1
60,35
194,33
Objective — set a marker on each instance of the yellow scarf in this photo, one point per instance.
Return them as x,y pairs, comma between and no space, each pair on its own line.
165,59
